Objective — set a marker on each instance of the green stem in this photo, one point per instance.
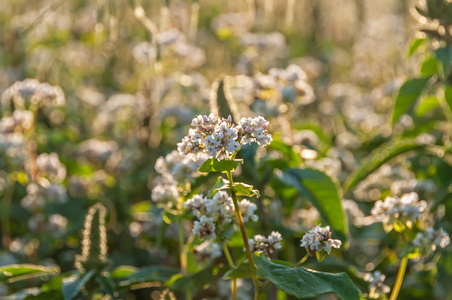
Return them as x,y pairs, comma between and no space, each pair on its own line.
232,266
183,255
301,261
257,289
6,229
399,279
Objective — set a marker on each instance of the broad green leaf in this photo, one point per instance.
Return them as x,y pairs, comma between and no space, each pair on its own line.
409,92
448,96
243,189
429,66
426,104
107,284
178,282
73,285
123,271
24,271
323,193
215,165
34,294
377,158
220,184
241,271
415,45
305,283
444,56
148,274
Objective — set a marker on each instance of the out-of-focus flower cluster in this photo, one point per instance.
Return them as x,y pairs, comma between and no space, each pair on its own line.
207,250
266,244
217,211
377,288
32,92
428,240
399,213
221,138
176,172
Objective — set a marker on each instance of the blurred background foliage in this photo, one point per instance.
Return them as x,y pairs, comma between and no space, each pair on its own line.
133,74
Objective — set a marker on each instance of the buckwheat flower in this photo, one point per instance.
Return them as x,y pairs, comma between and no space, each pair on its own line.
318,240
165,193
428,240
204,228
266,244
191,145
220,138
195,204
247,210
220,207
178,166
399,212
207,250
254,130
376,286
50,166
20,121
34,92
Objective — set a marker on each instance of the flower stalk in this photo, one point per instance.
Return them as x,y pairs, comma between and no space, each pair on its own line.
399,279
257,290
232,266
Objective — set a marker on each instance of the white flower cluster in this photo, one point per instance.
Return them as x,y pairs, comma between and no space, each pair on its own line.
50,166
165,193
12,128
288,85
218,209
56,224
36,93
207,250
43,191
376,286
179,166
428,240
403,211
319,239
19,122
266,244
221,138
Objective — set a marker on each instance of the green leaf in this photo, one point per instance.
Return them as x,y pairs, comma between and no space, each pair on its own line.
415,45
444,56
305,283
448,96
408,94
214,165
429,66
288,152
107,284
178,282
243,189
24,271
377,158
123,271
241,271
73,285
323,193
148,274
220,184
426,104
